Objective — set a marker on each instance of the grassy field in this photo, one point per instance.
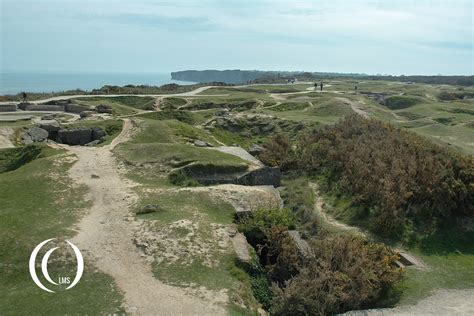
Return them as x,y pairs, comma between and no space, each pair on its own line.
33,209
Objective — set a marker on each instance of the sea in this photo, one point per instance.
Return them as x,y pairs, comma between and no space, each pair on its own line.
13,83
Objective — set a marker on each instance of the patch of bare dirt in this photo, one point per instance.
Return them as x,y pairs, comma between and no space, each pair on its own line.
6,134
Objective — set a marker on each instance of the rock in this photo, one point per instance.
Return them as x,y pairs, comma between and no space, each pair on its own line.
94,142
268,128
241,248
24,105
97,133
49,125
301,244
232,231
102,108
200,143
256,150
84,114
256,130
35,134
80,136
261,176
47,117
223,112
149,208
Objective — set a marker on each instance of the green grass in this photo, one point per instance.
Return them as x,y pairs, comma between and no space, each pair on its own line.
175,154
185,204
122,105
169,131
449,256
36,205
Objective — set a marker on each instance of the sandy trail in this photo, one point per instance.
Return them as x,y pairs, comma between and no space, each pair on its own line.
6,134
105,237
319,210
442,302
355,106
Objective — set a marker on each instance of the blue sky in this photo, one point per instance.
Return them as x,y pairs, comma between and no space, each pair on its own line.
394,37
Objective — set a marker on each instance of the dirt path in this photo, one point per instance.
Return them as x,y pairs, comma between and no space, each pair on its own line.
6,134
325,217
442,302
105,236
355,106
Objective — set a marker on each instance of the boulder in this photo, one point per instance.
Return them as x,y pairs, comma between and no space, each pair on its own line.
79,136
267,128
97,133
49,125
94,142
24,105
256,130
102,108
149,208
256,150
85,114
241,248
35,134
200,143
302,245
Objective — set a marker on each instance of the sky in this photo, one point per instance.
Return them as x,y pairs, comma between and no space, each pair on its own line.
144,36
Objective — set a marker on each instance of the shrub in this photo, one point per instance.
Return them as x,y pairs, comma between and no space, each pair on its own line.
400,102
255,226
400,179
345,273
279,152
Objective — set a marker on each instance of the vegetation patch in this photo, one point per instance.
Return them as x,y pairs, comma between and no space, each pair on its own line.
401,102
290,106
14,158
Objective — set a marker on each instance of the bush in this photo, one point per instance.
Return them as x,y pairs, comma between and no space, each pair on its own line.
255,226
279,152
345,273
398,178
400,102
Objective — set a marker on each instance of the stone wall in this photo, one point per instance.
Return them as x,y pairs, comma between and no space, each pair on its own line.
8,107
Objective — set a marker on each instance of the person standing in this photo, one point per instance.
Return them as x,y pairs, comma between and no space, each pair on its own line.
321,85
315,86
23,94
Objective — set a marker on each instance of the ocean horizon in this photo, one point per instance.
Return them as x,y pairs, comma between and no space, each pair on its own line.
13,83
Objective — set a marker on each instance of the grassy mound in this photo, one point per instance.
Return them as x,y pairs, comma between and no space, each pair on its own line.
14,158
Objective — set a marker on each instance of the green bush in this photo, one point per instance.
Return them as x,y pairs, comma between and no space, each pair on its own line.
255,226
345,273
400,102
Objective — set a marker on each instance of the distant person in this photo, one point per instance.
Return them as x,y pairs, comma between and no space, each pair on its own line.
24,96
315,86
355,88
321,85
